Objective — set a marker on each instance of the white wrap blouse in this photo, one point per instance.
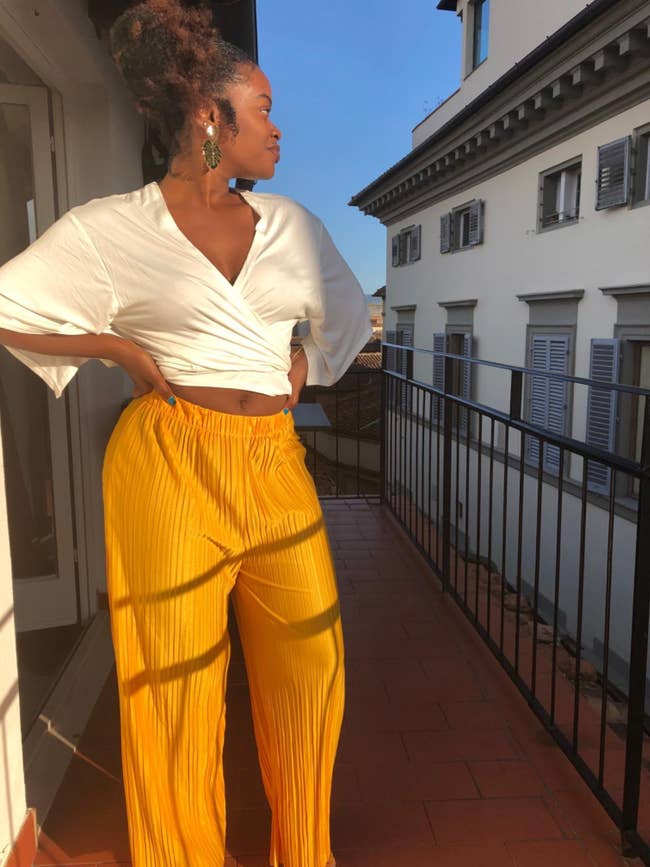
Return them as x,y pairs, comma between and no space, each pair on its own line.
119,264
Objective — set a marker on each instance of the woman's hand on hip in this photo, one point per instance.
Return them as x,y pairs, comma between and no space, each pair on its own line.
297,377
142,369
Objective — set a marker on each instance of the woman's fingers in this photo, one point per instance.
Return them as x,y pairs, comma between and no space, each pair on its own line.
147,377
163,388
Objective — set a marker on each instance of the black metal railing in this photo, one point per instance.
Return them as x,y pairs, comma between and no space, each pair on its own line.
554,575
344,456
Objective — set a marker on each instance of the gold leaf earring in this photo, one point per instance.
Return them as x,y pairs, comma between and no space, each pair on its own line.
211,149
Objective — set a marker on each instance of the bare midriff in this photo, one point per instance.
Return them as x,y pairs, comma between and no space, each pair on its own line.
233,400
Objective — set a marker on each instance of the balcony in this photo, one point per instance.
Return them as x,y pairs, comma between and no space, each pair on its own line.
474,729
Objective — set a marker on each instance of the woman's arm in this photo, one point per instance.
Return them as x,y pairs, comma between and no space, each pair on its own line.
338,318
136,361
297,376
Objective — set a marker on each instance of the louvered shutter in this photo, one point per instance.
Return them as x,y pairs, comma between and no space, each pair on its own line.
395,246
445,233
548,396
439,345
601,408
405,338
466,380
476,222
414,251
613,176
403,247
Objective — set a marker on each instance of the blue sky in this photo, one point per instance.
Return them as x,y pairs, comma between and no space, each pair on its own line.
350,81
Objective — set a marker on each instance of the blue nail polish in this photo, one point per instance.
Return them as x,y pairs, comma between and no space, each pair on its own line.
171,400
285,411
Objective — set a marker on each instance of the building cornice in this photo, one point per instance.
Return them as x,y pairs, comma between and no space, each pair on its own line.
597,70
468,302
617,291
562,295
404,308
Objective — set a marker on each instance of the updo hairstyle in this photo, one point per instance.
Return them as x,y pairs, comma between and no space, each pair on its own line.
173,61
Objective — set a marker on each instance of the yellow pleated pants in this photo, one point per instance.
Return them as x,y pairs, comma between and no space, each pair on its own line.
200,505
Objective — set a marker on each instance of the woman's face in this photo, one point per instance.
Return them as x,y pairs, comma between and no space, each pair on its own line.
254,151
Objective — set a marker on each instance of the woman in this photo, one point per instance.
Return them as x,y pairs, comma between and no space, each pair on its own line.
194,289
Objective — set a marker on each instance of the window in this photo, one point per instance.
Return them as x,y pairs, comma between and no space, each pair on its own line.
406,246
457,342
642,167
559,200
615,419
400,360
619,420
462,227
548,397
480,34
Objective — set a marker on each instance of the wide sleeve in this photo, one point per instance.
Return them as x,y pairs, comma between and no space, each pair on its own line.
338,317
57,285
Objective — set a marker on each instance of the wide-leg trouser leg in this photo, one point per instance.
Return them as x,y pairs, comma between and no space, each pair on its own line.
168,588
198,503
287,610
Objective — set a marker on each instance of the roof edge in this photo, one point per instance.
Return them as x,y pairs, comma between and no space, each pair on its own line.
586,15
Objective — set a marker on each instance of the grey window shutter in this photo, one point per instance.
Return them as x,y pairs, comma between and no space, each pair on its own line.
476,222
601,408
395,250
613,176
405,338
403,247
466,381
445,233
391,354
548,396
439,345
414,253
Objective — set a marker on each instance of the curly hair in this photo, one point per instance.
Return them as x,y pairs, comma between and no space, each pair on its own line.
173,61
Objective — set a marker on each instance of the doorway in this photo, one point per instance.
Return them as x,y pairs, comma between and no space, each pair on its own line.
34,425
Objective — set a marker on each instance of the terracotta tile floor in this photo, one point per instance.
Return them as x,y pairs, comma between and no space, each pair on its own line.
440,762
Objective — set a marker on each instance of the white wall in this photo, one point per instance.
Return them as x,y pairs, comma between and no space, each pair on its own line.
516,27
102,135
605,248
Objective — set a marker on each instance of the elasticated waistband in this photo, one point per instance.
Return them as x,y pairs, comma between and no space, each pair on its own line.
215,421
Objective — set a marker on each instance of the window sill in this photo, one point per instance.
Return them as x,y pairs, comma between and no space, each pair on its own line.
559,225
463,249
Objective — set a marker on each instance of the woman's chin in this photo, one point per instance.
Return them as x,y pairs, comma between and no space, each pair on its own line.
262,174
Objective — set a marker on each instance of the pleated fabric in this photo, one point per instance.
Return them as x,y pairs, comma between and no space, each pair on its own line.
199,505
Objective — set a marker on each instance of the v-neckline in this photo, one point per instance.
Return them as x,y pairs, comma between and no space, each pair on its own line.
258,229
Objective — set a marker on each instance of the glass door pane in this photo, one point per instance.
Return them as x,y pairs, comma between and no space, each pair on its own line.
23,397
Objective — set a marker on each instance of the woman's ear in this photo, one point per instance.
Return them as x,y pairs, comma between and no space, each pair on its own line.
207,115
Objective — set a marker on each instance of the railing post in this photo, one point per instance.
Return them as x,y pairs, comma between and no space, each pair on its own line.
446,479
516,388
638,650
383,427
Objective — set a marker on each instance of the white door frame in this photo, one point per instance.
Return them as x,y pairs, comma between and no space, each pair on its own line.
48,600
